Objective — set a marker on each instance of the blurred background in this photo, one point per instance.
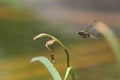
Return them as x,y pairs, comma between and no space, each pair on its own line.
21,20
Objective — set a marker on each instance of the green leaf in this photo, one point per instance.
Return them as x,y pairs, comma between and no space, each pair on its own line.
50,42
110,37
49,66
69,71
48,35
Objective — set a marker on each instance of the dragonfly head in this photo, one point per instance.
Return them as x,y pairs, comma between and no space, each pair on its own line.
83,34
80,33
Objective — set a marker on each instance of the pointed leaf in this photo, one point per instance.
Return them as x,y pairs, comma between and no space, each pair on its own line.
69,71
49,66
48,35
110,37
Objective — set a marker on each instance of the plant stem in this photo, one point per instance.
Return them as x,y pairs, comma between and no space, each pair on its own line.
67,57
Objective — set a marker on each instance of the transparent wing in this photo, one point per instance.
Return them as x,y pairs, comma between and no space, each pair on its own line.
94,37
89,28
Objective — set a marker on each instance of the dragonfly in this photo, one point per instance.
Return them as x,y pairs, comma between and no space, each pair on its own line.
87,33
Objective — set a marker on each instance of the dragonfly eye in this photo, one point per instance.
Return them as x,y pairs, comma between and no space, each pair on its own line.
79,33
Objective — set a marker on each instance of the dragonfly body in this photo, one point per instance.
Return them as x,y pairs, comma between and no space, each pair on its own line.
84,34
87,33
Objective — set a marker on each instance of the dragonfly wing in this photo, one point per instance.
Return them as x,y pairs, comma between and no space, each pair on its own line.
94,37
